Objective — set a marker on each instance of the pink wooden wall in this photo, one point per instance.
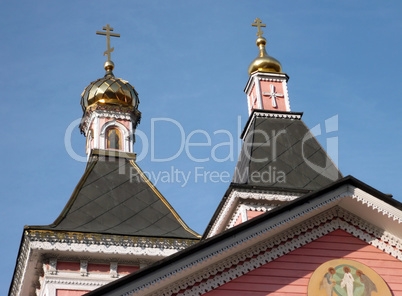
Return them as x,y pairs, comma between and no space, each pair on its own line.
64,292
289,274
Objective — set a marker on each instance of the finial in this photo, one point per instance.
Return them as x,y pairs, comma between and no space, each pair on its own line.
257,23
109,65
263,62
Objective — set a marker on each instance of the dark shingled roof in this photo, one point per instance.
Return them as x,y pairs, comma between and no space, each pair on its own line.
281,152
115,197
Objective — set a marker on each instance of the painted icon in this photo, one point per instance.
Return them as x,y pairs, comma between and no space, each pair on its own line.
342,277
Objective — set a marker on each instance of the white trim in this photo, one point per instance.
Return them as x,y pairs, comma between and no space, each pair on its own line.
96,133
300,237
280,235
249,99
125,133
235,195
286,93
51,284
265,75
106,114
270,115
244,208
258,92
87,247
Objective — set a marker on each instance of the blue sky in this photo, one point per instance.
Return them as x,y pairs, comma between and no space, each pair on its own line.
188,61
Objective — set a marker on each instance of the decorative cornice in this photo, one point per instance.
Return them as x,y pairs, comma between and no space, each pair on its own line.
99,241
20,269
278,115
277,246
255,207
269,114
251,256
267,77
108,112
91,243
236,194
386,210
76,281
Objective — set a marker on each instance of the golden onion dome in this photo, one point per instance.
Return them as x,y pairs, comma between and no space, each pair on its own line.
109,90
264,62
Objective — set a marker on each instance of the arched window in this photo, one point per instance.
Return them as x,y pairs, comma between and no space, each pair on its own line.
113,139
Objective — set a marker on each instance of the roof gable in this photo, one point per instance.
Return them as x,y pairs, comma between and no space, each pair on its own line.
199,268
290,274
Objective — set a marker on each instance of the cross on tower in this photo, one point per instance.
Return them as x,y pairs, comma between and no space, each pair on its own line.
257,23
273,95
108,29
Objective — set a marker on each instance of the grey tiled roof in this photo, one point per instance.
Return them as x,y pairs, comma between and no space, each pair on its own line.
282,153
114,197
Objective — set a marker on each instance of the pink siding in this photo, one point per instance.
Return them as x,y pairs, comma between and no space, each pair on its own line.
126,269
105,268
289,274
253,96
250,215
68,266
267,101
253,214
238,221
70,292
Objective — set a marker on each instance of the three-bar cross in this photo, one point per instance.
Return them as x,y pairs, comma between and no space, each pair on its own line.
257,23
108,29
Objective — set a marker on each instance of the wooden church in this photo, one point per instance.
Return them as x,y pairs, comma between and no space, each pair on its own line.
289,224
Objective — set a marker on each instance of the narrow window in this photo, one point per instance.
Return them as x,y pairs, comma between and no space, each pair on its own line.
113,140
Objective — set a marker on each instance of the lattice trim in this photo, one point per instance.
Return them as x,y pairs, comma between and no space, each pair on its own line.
88,239
20,269
92,243
248,207
277,115
104,113
285,242
236,195
379,209
346,221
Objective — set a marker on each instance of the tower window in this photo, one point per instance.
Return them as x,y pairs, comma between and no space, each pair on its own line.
113,140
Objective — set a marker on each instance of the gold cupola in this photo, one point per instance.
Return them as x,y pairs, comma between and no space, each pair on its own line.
110,108
109,90
263,62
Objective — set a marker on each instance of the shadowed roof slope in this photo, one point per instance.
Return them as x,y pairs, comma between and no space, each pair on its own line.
115,197
279,151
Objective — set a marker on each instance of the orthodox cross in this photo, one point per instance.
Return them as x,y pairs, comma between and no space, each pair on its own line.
108,29
257,23
273,95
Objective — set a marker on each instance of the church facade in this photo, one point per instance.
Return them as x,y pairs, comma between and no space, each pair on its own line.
289,224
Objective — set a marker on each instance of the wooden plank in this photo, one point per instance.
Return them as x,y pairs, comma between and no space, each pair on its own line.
289,275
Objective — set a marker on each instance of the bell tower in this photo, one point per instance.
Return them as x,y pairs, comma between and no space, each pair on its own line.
110,107
266,88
